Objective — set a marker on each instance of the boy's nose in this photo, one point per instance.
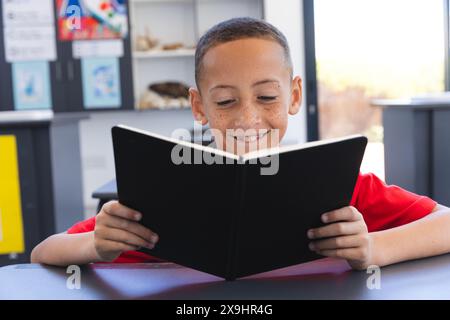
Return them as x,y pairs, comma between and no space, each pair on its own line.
248,118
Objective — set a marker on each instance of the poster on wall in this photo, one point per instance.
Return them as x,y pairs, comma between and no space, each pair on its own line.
31,83
25,41
92,19
101,83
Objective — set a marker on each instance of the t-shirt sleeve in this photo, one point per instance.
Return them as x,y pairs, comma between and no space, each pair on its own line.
87,225
388,206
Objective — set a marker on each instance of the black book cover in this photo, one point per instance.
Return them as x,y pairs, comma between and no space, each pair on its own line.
228,219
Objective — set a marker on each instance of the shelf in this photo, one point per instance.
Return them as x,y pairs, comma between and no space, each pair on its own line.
163,53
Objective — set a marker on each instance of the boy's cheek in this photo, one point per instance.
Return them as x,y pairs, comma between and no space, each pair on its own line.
278,122
220,122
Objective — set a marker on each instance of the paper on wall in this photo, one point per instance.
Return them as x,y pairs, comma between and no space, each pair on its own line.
24,12
30,44
29,30
101,83
31,83
97,48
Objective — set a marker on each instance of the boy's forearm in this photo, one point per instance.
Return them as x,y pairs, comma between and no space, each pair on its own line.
426,237
66,249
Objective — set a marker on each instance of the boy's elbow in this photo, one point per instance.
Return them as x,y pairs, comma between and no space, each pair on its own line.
52,251
40,253
35,255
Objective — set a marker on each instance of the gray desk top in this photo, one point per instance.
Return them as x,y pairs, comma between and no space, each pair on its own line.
414,103
106,191
321,279
38,117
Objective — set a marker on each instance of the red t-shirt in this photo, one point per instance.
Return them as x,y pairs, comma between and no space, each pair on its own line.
382,206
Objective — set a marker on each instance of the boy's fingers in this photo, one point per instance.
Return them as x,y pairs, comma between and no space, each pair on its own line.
110,245
133,227
335,229
339,242
114,208
343,214
347,253
125,237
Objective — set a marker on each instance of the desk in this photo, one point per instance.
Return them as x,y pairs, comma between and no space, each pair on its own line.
416,143
320,279
105,193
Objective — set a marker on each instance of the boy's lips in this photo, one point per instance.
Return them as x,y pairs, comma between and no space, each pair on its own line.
251,137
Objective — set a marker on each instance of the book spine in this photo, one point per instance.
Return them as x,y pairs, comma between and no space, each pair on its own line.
234,234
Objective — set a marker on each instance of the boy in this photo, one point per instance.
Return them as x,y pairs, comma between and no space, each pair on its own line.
244,78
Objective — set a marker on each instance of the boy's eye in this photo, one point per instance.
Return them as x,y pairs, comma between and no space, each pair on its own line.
225,102
267,98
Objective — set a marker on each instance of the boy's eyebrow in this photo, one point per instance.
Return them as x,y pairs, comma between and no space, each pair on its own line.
222,86
257,83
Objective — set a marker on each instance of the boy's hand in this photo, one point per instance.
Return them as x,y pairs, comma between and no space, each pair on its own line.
117,230
345,236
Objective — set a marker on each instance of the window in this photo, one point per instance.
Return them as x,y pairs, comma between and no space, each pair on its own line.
369,49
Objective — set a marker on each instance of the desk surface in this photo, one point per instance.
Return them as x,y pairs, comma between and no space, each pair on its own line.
431,103
321,279
36,117
107,191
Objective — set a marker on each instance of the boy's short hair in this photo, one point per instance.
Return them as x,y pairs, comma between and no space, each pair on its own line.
236,29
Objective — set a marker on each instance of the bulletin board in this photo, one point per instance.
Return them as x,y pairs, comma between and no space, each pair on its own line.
94,39
74,57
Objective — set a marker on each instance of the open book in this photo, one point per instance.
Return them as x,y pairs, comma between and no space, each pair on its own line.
228,219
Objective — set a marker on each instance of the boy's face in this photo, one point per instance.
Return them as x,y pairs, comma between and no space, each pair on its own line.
246,84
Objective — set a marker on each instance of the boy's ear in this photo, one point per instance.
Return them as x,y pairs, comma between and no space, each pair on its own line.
296,95
197,106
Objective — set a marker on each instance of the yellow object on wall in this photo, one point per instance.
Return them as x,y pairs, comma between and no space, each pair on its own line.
11,226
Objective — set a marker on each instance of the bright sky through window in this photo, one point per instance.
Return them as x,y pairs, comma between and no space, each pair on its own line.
392,48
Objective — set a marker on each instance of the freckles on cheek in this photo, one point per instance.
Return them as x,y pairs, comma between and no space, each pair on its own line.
277,119
218,121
